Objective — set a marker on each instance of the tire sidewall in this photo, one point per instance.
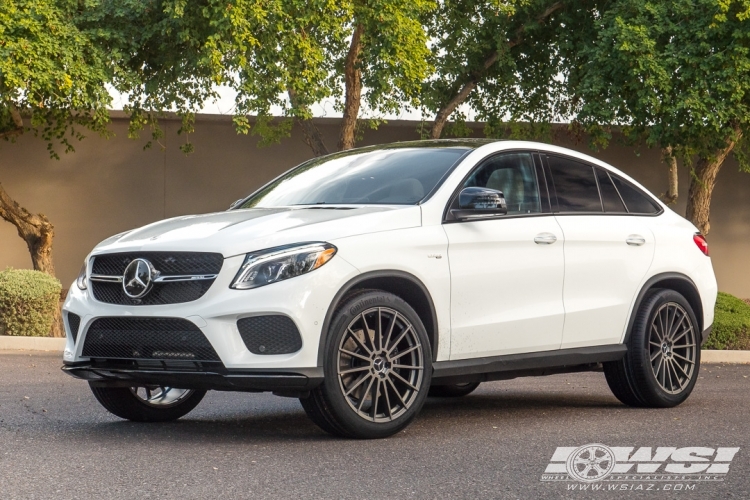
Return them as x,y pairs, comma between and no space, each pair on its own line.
352,422
651,391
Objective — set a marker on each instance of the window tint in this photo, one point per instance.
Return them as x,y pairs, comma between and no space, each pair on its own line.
514,175
610,198
575,185
636,201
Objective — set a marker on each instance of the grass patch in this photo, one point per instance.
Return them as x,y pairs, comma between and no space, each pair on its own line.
731,329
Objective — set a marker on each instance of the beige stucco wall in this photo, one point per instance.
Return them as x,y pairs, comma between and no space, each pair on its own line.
109,186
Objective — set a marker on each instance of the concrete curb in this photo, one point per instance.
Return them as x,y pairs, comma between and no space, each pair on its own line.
712,356
9,342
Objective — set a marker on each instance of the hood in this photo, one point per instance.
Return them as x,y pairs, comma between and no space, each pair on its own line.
240,231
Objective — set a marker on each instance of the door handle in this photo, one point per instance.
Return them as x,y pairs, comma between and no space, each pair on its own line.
635,240
545,239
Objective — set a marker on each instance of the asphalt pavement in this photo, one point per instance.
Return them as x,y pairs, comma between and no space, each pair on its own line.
56,442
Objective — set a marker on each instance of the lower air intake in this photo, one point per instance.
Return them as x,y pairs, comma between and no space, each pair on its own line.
270,334
74,321
147,338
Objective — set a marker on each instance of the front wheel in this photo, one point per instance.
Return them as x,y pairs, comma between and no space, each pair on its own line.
377,368
663,359
148,404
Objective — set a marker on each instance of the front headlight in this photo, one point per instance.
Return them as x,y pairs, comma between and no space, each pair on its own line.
277,264
81,280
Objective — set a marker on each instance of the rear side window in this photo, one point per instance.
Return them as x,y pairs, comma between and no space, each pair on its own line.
575,185
610,197
635,200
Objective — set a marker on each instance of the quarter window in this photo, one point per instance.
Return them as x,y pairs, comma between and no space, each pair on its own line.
575,185
514,175
610,197
636,201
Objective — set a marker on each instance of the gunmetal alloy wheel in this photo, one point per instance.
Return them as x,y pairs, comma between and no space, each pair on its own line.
661,365
672,346
148,404
161,397
380,366
377,368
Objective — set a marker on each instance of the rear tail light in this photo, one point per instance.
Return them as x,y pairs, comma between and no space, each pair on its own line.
700,240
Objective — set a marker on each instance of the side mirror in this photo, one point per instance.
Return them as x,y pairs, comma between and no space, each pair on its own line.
477,202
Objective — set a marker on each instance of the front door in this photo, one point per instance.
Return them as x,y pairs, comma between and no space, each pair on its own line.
507,272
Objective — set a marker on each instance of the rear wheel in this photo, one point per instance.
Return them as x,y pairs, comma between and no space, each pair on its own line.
377,368
453,390
148,404
663,359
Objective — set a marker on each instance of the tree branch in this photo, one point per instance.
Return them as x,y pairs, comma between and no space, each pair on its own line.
15,115
472,80
35,229
311,134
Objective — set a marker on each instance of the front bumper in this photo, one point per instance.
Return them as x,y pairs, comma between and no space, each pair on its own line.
304,299
208,377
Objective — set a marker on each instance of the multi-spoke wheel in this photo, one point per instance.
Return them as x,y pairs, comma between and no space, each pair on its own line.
673,348
663,359
161,397
148,404
377,368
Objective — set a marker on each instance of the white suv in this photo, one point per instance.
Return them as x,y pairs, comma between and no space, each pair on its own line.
361,281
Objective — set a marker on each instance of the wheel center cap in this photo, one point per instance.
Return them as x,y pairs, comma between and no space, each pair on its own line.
379,365
666,349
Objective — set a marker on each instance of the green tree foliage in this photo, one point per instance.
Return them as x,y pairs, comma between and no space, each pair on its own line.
675,74
51,72
311,50
499,57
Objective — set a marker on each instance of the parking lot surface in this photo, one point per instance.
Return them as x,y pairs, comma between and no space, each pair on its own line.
56,442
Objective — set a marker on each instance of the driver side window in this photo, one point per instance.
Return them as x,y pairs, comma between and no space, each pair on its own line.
514,175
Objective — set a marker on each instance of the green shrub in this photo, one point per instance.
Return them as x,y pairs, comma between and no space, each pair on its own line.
731,328
28,300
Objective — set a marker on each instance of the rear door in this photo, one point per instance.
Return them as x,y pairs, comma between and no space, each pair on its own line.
507,271
608,250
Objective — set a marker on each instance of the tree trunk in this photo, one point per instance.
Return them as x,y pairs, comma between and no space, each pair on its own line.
472,80
15,115
310,132
38,232
670,197
702,185
353,85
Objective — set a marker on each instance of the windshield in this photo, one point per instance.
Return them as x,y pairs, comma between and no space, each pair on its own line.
402,176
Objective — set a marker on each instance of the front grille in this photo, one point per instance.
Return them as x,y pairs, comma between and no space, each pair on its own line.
147,338
168,264
161,293
270,334
74,321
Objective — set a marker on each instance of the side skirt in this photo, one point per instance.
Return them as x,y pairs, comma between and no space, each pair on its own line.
525,365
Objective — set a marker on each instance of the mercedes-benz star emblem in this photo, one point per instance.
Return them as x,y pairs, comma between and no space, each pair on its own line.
137,280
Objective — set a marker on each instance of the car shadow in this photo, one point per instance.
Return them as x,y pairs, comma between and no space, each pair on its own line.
290,424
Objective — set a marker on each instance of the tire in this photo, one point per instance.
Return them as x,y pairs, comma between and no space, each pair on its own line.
663,359
452,390
125,402
374,385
